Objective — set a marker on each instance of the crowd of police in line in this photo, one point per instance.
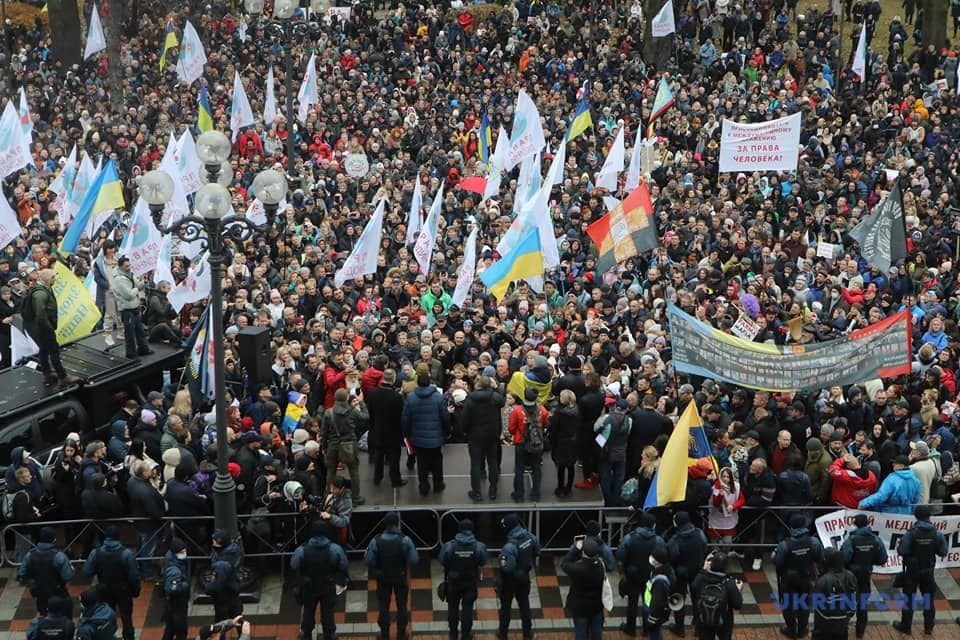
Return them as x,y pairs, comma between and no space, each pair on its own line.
829,586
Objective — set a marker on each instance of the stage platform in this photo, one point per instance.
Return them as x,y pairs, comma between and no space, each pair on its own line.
456,477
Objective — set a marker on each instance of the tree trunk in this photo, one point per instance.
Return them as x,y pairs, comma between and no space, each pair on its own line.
65,27
935,18
113,28
656,51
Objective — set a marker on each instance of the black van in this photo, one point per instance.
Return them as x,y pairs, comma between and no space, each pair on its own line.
39,418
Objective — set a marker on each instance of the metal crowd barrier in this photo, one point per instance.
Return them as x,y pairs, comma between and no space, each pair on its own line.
287,532
555,526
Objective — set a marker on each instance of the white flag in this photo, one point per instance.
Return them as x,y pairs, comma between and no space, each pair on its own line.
96,41
663,23
610,203
162,270
307,96
467,270
195,287
14,147
555,174
62,186
423,249
26,120
270,104
496,164
85,176
177,206
633,171
414,221
191,169
860,57
192,57
526,137
21,346
257,213
241,115
363,258
9,223
142,241
613,165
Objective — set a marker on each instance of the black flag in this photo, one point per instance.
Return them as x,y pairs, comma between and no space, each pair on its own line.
881,235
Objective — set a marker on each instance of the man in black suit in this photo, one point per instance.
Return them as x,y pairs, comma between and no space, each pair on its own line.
385,405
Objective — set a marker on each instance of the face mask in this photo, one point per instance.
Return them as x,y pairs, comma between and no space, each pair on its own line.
182,556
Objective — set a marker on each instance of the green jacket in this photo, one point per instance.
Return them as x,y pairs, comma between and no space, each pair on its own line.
428,299
44,309
819,472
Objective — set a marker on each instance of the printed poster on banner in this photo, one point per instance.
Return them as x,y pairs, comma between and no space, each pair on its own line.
77,313
833,528
356,165
765,146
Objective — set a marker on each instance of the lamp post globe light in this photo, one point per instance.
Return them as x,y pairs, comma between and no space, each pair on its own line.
213,225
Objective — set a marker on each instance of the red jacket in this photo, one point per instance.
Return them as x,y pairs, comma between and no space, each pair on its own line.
848,488
332,380
370,380
517,422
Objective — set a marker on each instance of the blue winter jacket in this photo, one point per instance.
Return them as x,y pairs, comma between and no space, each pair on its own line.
425,418
896,494
60,562
99,624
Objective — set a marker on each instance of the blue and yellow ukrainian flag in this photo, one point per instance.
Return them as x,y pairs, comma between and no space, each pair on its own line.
524,261
169,42
582,120
204,113
486,139
670,479
105,194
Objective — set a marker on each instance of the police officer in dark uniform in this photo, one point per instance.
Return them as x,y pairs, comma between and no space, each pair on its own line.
516,562
862,550
795,558
46,571
222,582
462,559
388,558
831,601
118,577
56,622
633,555
919,549
176,591
319,561
688,551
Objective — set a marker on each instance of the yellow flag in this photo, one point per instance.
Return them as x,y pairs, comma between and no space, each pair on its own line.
77,313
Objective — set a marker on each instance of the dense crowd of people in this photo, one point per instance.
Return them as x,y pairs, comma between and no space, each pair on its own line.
388,363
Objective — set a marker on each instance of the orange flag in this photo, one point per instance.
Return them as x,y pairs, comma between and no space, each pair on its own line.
524,60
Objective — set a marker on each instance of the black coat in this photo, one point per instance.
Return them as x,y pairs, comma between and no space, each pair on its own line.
481,416
586,584
564,429
385,406
100,504
183,500
145,502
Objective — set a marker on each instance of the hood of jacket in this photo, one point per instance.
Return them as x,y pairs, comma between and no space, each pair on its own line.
425,392
16,457
117,429
112,545
799,533
645,533
465,537
341,408
686,531
319,542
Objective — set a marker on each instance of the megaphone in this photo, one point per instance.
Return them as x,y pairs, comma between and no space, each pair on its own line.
676,601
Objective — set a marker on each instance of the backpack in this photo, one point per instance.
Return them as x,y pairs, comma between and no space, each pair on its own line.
837,603
712,605
27,309
8,499
533,442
